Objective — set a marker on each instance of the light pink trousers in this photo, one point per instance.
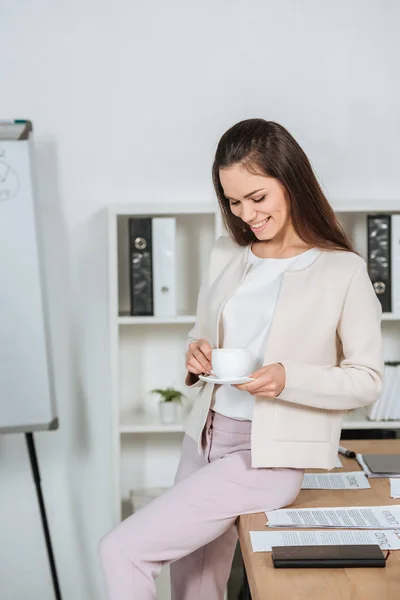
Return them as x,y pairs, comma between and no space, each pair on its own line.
192,525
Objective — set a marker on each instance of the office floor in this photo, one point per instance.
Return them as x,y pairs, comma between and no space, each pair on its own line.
162,583
235,583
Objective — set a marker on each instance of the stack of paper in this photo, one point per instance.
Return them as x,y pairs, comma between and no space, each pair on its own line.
395,488
263,541
335,481
350,517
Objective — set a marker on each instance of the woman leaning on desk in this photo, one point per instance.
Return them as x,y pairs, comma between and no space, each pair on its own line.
287,285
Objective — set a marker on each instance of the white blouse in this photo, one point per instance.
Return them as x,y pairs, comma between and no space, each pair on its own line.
247,317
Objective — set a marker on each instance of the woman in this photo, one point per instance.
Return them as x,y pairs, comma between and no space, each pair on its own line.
288,287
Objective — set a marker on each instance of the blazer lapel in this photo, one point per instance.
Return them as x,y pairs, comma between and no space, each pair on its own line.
223,288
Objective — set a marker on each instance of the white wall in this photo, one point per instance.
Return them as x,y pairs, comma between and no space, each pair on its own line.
128,100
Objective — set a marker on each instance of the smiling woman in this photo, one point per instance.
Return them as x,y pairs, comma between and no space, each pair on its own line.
267,189
286,288
265,210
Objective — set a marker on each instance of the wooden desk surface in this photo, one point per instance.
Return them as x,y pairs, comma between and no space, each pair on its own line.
267,583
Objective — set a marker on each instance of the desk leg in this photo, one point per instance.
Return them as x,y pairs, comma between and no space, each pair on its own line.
246,595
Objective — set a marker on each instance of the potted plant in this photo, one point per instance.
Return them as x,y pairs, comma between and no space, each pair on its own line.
168,405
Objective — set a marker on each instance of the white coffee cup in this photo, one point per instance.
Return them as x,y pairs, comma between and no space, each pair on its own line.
231,363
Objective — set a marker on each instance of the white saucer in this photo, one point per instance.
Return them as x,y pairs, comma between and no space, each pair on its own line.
231,380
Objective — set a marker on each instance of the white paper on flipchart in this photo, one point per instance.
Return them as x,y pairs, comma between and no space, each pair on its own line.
3,171
357,517
394,488
335,481
262,541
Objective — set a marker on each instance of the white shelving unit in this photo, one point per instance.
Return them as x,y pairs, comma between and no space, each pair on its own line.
390,317
353,217
366,206
148,352
189,319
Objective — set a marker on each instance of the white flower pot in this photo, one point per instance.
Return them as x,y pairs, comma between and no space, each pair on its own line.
169,412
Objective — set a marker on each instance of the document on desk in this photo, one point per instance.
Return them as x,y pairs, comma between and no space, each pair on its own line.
356,480
262,541
350,517
394,488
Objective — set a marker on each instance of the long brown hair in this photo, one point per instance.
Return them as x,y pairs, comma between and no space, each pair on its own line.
266,148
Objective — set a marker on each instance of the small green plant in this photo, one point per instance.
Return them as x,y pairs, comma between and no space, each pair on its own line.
169,395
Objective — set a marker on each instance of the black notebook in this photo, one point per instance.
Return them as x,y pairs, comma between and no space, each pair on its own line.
315,557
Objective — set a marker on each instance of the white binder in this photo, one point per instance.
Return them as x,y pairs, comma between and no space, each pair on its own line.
164,266
395,264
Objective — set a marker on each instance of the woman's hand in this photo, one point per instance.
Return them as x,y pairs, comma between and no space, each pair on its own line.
269,381
198,357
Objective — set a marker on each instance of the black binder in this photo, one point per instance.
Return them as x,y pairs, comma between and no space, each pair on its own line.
379,258
141,269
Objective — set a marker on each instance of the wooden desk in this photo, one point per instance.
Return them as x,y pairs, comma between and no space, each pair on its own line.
267,583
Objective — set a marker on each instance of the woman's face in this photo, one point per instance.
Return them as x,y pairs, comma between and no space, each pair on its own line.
258,200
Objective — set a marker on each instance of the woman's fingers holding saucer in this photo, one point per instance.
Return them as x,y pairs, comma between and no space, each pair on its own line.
259,383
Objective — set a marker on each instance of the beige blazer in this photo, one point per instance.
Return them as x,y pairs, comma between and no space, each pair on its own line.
326,331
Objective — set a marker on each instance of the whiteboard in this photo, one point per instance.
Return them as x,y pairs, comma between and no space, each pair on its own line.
27,400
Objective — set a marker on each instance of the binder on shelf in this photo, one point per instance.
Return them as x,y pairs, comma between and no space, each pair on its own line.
387,407
389,399
164,266
379,258
141,273
395,263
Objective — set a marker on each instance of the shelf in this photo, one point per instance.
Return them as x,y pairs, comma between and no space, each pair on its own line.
178,320
211,208
144,424
357,419
164,208
366,206
390,317
191,319
146,451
